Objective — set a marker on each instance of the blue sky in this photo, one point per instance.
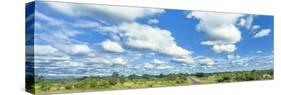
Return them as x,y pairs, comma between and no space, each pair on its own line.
73,40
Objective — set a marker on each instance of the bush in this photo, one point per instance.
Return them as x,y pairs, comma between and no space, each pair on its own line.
68,87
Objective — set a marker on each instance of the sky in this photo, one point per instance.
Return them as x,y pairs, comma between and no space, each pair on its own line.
74,40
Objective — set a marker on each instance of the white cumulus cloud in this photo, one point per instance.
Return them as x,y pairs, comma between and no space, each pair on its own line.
220,29
111,46
80,49
146,37
224,48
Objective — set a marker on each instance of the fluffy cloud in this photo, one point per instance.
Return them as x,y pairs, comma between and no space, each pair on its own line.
220,28
108,60
119,61
41,50
262,33
224,48
204,60
148,66
212,20
111,46
232,57
156,64
99,11
184,59
74,49
152,38
79,49
225,34
153,21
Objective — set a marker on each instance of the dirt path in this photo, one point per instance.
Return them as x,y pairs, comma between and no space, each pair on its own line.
194,82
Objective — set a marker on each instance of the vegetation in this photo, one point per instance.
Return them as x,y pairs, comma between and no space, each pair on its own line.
116,81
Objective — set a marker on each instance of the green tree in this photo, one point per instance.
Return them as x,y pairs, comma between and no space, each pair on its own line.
122,80
115,74
114,79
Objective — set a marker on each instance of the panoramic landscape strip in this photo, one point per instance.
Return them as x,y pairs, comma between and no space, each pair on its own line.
117,82
77,47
